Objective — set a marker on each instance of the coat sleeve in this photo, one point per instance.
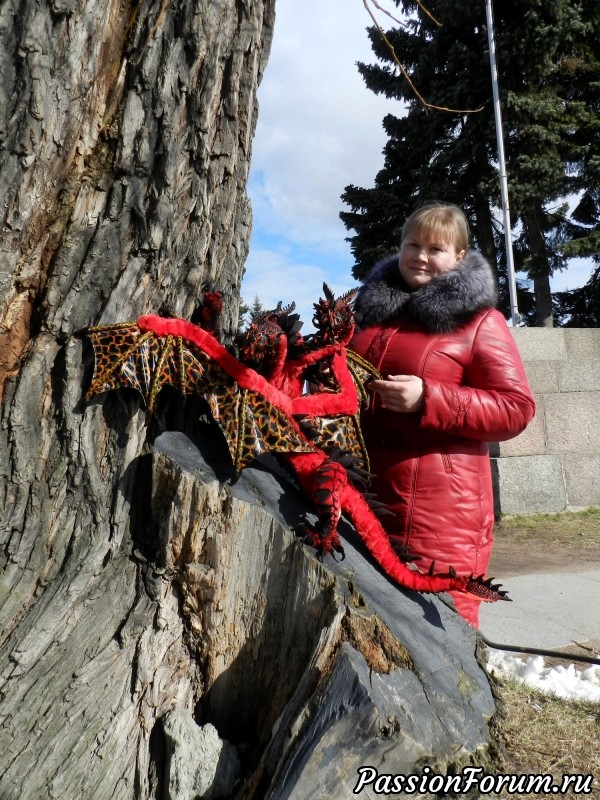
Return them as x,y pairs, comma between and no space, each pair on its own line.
495,402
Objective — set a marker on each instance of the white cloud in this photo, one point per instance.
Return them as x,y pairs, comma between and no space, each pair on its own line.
319,129
578,273
275,276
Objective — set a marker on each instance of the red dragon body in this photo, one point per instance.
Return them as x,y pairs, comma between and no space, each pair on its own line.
297,397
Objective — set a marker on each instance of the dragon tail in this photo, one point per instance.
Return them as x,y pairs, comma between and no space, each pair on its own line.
356,508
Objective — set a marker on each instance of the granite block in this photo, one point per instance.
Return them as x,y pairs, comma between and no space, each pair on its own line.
541,344
530,484
582,479
532,442
573,422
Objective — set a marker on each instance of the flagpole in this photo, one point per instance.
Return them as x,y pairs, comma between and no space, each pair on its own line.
512,285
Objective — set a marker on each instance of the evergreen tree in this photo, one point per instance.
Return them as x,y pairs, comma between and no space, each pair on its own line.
243,310
256,307
549,117
247,312
580,308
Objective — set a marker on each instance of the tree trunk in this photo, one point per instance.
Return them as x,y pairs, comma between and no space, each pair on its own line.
543,301
125,138
539,269
310,670
485,229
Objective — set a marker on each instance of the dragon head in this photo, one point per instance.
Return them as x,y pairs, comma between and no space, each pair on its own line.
334,318
263,345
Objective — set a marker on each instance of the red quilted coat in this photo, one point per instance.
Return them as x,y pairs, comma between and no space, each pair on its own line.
432,468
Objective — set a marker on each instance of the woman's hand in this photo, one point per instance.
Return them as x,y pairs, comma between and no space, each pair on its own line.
402,393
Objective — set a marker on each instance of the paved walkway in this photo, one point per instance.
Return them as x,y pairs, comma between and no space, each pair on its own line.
548,610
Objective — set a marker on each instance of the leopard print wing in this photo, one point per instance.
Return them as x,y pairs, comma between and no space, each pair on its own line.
250,423
124,356
340,435
253,426
362,372
341,439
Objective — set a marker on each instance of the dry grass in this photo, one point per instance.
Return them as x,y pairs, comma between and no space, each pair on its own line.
541,734
571,527
546,542
574,534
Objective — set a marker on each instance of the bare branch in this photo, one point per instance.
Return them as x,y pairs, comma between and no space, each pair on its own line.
428,13
400,22
403,70
391,16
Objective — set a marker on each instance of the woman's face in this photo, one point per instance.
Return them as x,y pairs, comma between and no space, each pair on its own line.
423,257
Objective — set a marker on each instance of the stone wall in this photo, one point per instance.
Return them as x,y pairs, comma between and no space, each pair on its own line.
554,465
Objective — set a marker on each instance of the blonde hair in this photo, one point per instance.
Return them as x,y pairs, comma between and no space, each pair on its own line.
442,221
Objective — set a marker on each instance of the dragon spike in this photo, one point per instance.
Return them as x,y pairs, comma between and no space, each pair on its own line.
483,589
360,482
284,311
330,297
383,512
328,293
377,504
348,296
291,325
404,554
333,319
280,311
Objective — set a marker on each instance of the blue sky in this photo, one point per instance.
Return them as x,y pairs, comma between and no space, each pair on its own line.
319,129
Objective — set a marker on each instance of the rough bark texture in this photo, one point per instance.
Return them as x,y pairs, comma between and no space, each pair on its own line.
145,614
310,670
125,136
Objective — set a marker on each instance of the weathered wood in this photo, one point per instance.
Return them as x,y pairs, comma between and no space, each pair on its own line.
125,139
310,669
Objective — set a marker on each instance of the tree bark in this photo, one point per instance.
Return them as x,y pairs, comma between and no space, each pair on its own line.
539,269
125,140
310,669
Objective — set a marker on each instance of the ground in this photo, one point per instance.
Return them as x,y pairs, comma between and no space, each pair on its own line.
540,733
546,543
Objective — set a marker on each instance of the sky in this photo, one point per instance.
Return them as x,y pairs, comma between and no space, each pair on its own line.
319,129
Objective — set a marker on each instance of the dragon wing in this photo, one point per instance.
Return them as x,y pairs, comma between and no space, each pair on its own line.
331,420
362,372
154,352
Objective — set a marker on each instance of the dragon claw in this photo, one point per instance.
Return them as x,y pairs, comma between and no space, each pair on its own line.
323,545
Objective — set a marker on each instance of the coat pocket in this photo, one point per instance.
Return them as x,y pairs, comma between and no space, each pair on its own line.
446,461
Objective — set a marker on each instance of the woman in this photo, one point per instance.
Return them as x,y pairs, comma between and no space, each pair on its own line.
453,381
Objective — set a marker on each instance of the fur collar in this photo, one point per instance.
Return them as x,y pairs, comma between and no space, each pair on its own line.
446,303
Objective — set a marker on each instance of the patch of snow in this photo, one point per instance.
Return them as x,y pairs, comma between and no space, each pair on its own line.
568,682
